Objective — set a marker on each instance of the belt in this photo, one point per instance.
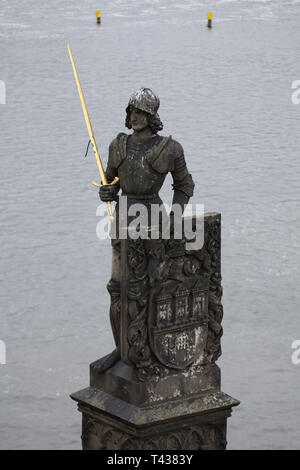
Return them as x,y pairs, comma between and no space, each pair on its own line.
141,196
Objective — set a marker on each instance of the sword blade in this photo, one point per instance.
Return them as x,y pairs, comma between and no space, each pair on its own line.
89,127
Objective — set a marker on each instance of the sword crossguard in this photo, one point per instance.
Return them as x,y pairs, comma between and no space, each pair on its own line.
107,184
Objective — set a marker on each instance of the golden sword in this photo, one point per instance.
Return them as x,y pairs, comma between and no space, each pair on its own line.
91,134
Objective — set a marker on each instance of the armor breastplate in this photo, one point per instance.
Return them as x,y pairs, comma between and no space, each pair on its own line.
137,176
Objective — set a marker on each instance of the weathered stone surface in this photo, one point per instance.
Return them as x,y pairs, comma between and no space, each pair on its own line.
171,308
161,414
98,434
122,381
150,401
197,423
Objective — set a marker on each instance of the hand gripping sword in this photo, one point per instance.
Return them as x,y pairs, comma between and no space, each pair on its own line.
91,134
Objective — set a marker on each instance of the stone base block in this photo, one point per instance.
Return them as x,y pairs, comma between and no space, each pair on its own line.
197,423
122,381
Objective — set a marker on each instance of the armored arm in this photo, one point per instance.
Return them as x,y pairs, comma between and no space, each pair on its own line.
109,192
183,184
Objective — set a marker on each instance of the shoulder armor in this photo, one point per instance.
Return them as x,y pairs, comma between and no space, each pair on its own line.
163,156
117,150
158,157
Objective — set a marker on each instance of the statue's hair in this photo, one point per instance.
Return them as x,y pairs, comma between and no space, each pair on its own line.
154,122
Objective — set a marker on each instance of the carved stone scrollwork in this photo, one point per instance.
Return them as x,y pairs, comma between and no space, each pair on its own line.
208,436
215,308
90,436
169,288
137,295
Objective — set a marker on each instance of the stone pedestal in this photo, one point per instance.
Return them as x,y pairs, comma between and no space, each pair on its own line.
165,392
184,411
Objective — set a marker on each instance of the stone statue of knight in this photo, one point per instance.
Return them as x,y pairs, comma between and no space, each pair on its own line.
141,161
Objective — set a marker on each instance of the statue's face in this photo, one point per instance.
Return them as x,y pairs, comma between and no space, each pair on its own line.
138,119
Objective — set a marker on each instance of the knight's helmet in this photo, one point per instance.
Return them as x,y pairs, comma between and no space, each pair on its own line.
145,100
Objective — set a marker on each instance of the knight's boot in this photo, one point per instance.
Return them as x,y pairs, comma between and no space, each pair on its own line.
101,365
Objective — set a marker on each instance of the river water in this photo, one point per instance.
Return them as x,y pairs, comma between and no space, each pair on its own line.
226,96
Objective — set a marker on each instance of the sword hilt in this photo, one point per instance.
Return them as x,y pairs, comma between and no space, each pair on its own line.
107,184
108,203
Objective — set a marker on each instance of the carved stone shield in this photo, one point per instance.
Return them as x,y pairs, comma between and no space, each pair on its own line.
178,322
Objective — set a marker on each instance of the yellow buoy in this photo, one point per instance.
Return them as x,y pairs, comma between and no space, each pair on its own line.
209,19
98,16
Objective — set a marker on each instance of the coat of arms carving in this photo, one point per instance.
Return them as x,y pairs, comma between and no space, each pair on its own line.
178,322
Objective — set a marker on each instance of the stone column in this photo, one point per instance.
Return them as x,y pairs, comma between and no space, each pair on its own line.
165,391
